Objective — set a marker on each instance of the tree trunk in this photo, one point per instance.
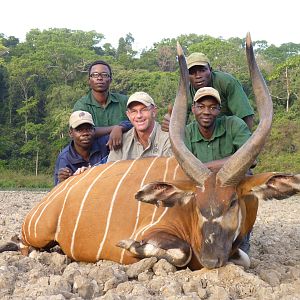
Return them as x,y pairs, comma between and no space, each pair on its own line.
36,161
25,129
287,89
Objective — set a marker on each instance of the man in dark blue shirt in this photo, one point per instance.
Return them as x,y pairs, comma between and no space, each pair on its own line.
84,150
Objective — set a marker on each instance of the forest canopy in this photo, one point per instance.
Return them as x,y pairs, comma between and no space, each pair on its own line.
42,77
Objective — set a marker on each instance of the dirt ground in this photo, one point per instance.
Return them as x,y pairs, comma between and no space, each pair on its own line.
274,272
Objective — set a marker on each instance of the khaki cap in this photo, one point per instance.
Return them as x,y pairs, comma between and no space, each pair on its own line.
141,97
207,91
197,59
80,117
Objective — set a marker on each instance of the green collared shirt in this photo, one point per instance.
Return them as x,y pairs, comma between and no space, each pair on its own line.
229,135
112,114
234,101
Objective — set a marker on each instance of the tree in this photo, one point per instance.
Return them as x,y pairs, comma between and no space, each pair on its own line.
22,83
35,144
60,101
286,73
125,53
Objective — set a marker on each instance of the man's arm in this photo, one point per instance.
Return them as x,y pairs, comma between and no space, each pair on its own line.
249,121
115,133
239,104
216,165
61,172
166,120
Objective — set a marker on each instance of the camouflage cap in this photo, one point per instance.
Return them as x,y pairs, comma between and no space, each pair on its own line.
197,59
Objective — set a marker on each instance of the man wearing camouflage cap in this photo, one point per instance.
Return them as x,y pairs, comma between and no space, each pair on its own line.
234,100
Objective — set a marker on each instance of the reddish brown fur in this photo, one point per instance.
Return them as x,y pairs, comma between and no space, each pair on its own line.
96,209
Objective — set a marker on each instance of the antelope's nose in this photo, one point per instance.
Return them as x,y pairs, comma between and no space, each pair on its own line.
211,263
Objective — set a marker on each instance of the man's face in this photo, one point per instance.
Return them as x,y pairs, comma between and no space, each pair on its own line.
99,78
206,111
142,117
83,135
200,76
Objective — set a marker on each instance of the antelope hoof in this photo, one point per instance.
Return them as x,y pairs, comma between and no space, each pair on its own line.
24,249
126,244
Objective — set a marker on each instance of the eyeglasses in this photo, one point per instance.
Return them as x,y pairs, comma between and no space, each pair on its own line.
102,75
134,112
202,108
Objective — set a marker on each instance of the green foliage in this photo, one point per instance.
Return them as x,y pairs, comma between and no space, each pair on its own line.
289,163
41,78
282,150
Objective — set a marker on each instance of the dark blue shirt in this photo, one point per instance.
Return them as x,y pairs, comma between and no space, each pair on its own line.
69,158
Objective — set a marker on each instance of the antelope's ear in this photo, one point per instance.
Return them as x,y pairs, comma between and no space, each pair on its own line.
163,194
278,186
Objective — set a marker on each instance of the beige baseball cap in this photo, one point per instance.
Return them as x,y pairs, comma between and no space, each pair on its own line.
80,117
141,97
197,59
207,91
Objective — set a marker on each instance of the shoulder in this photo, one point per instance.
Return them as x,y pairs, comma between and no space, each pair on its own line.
220,75
161,137
235,124
160,132
119,97
233,120
63,157
86,99
128,136
222,80
64,151
191,127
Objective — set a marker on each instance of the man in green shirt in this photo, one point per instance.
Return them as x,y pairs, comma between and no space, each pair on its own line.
213,138
107,109
234,100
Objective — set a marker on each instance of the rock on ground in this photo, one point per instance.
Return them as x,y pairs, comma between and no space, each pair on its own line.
274,272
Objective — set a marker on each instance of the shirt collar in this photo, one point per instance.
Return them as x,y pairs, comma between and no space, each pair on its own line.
110,98
73,156
218,131
76,158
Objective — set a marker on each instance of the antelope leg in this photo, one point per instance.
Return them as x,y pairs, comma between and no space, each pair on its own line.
174,250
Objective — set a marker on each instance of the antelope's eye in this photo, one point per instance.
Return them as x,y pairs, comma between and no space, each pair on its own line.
233,203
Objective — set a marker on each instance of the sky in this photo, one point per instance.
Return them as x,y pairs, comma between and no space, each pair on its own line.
149,22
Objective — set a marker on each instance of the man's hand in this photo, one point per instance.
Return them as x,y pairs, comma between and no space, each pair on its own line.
166,120
63,174
115,138
80,170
